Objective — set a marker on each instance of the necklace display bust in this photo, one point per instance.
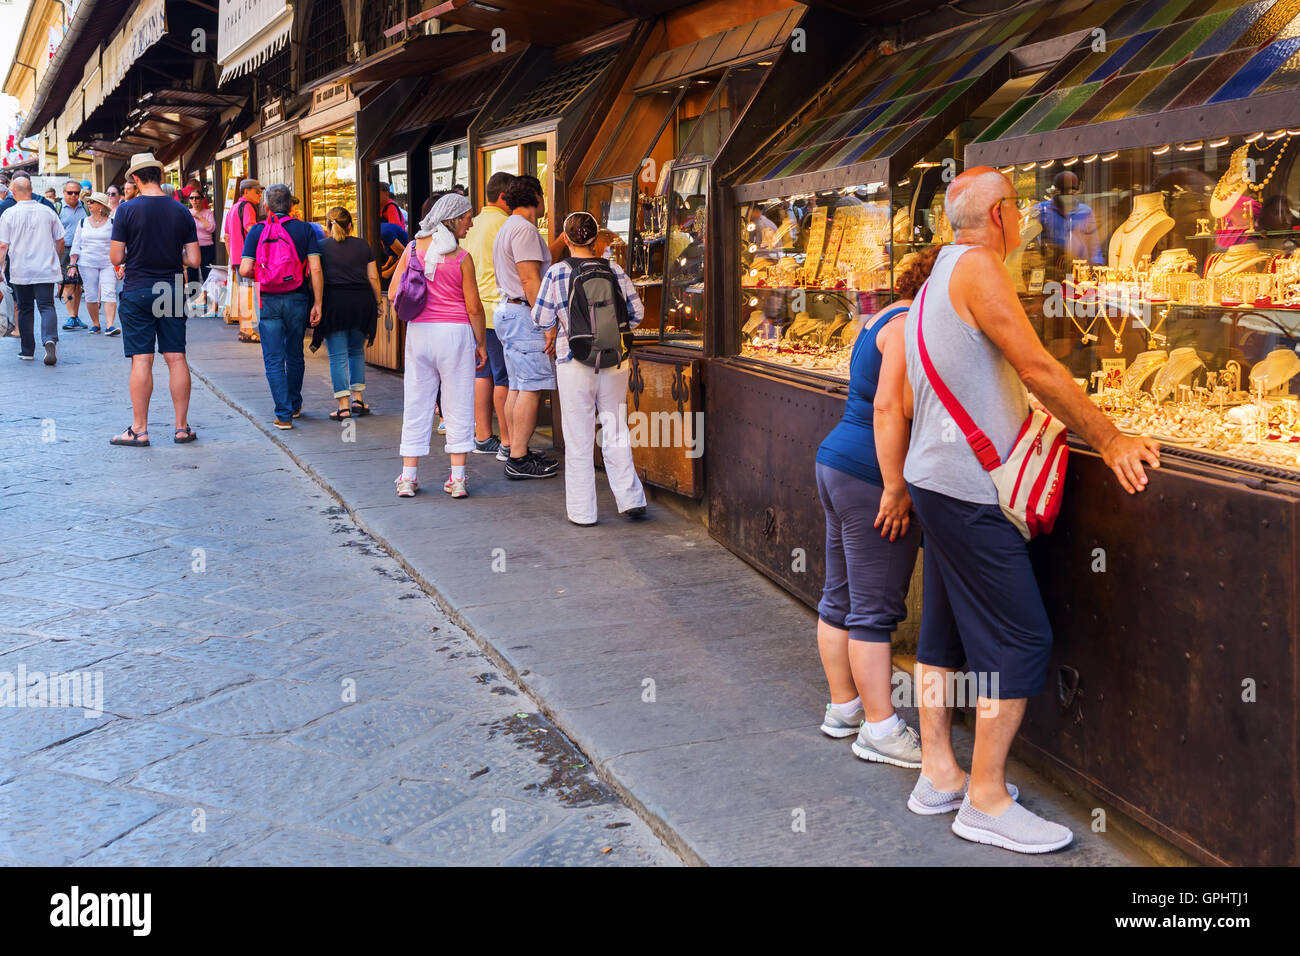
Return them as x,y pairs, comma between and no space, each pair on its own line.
1138,235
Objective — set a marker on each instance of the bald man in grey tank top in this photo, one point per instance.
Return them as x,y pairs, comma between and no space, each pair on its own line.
981,604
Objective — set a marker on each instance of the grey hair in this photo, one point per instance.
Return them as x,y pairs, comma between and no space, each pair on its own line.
968,205
279,199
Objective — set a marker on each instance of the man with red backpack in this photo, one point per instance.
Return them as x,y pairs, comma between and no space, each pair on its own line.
243,214
279,255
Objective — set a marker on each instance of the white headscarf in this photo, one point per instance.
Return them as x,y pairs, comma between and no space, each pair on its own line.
450,206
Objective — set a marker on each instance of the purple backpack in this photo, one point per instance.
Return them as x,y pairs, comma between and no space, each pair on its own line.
412,290
278,268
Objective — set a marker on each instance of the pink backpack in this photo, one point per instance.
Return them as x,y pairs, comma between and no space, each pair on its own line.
278,268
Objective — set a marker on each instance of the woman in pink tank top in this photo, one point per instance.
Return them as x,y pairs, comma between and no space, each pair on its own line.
445,343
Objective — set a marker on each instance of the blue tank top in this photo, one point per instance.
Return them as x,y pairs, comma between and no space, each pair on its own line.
851,445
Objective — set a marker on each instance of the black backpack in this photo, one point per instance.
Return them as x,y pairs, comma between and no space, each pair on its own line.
598,331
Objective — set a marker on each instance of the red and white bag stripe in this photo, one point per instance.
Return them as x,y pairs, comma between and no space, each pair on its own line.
1031,482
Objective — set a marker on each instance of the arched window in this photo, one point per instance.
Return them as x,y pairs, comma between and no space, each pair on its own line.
327,39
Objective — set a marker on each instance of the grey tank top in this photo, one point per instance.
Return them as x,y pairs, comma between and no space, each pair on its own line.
939,458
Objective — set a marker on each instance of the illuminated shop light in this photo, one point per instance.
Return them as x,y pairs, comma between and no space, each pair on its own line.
1161,151
1070,162
1109,156
1278,135
1007,170
1215,144
753,302
1293,132
1095,156
1027,167
1047,165
1190,147
1251,139
905,182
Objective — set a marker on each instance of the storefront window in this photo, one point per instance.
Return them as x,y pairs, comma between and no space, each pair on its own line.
448,166
703,135
393,172
331,173
231,171
639,131
684,287
812,266
503,160
1168,281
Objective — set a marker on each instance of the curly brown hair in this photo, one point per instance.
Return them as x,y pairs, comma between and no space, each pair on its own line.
913,269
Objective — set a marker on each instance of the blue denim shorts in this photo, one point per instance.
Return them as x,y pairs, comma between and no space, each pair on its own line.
528,366
141,328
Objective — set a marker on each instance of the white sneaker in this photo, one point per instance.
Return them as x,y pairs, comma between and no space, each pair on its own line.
456,487
406,487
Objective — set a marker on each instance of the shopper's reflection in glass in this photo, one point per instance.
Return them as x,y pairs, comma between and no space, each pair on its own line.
1069,225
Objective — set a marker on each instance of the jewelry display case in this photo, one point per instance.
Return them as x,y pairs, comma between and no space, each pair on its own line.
1167,279
812,266
650,187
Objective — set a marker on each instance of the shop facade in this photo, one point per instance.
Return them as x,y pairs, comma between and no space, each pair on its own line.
1157,202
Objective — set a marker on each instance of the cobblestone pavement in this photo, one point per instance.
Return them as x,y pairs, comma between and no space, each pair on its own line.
275,688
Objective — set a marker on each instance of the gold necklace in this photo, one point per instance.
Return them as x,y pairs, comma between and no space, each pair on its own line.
1230,182
1272,169
1131,224
1118,333
1085,333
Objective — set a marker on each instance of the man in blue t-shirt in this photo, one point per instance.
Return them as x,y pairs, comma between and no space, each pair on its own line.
155,239
283,317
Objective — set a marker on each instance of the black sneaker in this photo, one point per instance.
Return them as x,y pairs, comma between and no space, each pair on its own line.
550,464
527,467
51,355
635,514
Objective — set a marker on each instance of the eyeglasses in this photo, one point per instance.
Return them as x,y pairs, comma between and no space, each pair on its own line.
72,192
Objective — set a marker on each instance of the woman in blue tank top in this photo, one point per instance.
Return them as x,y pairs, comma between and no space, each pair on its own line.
871,541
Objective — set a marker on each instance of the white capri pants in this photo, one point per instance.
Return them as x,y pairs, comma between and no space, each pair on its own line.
98,283
438,354
584,395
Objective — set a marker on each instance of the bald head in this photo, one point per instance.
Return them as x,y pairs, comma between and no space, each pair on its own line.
21,187
972,196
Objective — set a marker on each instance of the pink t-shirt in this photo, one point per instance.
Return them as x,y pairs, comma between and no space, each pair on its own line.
446,299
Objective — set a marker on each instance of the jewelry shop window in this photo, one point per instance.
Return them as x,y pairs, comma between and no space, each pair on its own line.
812,266
331,172
1168,281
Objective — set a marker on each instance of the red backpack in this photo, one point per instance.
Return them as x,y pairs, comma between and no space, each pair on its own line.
278,268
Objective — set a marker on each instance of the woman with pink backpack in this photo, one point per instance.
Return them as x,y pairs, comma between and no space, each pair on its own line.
434,291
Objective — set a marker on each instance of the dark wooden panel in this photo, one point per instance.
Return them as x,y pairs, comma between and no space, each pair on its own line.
760,451
664,390
1196,597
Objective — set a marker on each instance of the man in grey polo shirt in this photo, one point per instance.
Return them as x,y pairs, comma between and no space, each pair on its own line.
71,212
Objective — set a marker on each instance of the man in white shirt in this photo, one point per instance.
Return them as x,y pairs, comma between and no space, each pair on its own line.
31,239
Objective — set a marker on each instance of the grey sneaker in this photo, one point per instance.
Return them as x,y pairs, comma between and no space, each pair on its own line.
901,747
489,446
1017,829
926,800
833,725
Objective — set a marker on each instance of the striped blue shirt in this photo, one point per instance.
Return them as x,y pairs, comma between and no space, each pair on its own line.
553,303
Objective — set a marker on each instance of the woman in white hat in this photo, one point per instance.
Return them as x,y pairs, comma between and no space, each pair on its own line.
445,344
89,259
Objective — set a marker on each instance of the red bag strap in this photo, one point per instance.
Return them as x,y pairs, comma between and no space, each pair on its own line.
978,441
